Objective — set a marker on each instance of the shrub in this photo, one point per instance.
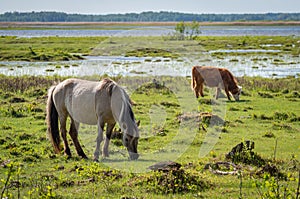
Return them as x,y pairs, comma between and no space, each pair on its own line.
280,116
172,182
265,95
242,153
269,135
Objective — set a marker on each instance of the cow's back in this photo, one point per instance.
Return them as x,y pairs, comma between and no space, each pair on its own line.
211,76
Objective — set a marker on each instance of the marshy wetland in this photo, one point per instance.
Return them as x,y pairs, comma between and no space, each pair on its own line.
173,124
266,56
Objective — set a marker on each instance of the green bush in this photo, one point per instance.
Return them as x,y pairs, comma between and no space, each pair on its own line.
173,181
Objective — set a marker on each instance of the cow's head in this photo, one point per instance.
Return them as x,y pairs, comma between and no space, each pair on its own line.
236,93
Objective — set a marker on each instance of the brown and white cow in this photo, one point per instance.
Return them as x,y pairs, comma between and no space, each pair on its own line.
215,77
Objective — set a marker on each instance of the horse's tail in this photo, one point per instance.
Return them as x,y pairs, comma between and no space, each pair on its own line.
193,80
52,122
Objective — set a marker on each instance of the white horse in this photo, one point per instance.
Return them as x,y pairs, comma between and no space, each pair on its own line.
94,103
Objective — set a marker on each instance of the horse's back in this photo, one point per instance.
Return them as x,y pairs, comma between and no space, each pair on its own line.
78,98
61,94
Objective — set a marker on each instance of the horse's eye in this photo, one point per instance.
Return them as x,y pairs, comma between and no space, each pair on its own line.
124,126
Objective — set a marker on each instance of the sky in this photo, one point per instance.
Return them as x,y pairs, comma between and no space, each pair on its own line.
138,6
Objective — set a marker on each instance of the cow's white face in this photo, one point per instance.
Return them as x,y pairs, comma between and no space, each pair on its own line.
236,96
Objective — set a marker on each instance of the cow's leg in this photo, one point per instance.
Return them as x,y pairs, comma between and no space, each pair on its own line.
197,93
201,90
74,135
99,138
227,93
196,89
107,139
218,91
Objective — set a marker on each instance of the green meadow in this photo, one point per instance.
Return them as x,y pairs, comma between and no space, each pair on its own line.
174,125
267,114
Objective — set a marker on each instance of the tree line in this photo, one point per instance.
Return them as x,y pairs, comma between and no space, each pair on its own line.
162,16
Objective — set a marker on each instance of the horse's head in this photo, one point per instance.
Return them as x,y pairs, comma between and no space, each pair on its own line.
131,142
122,111
236,93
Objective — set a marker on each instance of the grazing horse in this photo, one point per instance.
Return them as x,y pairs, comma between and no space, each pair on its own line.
93,103
215,77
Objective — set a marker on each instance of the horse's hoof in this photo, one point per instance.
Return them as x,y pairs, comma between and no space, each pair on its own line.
105,156
96,159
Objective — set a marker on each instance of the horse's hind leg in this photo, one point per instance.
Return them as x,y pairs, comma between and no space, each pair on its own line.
63,119
107,139
74,135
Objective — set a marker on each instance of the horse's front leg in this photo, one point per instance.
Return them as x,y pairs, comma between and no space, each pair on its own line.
100,124
107,139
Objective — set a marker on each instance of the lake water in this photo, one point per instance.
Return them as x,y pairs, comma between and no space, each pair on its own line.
146,66
158,31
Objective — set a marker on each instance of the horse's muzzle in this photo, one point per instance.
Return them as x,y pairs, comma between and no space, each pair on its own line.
133,156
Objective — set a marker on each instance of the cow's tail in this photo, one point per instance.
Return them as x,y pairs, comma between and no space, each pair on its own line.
193,80
52,122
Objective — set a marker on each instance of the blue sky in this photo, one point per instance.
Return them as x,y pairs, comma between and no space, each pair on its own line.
137,6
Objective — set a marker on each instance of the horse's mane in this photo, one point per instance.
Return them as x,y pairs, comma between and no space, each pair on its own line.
110,85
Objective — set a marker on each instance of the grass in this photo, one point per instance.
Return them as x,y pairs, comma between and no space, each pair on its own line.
284,44
170,129
46,48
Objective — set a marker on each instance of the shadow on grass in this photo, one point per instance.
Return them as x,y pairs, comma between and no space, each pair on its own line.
240,101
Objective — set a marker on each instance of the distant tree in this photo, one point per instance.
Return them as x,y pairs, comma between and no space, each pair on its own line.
180,30
187,30
146,16
193,29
